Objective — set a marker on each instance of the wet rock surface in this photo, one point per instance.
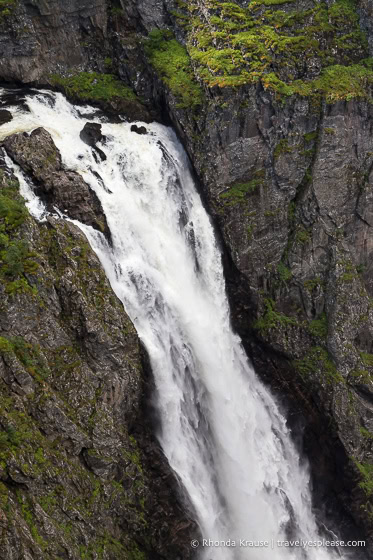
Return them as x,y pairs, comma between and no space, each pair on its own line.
91,135
5,116
39,158
138,129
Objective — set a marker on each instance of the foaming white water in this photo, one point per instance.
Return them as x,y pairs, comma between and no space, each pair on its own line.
221,430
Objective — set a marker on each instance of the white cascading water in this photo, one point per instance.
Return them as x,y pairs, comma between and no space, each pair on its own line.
221,430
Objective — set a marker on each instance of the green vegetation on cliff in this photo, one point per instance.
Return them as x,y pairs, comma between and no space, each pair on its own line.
318,360
16,260
238,192
68,465
319,327
272,319
320,51
6,7
92,86
366,473
53,409
170,59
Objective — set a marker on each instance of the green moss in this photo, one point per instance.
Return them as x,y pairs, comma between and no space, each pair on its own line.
319,327
250,230
310,136
362,375
275,2
170,59
282,148
134,454
272,319
28,515
28,354
366,473
5,346
367,359
366,433
92,86
302,236
234,45
6,7
238,192
318,359
284,272
49,502
312,283
343,82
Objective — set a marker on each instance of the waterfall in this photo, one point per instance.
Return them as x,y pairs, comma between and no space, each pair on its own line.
220,428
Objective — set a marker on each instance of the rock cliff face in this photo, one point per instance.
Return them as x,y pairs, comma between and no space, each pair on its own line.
43,36
273,104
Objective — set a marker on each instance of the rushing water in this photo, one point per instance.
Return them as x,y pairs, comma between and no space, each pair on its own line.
221,430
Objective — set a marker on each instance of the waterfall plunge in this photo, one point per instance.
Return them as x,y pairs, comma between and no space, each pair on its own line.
221,430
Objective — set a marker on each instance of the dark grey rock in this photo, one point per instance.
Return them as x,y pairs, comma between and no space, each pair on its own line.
139,129
5,116
91,135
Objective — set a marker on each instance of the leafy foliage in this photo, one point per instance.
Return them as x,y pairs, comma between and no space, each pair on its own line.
12,209
284,272
366,472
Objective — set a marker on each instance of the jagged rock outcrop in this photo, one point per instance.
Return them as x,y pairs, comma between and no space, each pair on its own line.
39,158
80,473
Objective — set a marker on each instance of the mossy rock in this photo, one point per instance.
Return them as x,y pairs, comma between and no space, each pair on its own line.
271,41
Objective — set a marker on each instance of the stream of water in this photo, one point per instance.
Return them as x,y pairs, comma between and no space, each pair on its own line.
220,428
